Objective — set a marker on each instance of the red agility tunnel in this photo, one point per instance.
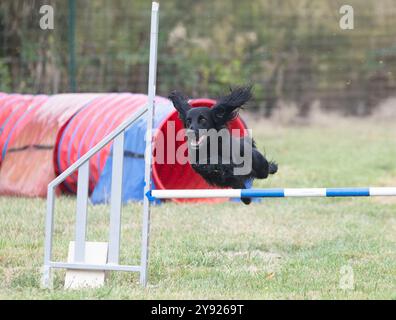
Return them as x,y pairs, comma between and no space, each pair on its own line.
27,167
89,126
41,136
182,176
12,107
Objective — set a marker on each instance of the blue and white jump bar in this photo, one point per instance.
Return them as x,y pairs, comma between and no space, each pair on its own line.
271,193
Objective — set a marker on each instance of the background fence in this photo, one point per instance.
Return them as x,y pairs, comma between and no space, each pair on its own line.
294,51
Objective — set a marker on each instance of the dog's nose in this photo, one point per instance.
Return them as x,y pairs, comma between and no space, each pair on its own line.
192,133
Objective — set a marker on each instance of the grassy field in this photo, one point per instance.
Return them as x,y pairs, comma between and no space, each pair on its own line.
290,248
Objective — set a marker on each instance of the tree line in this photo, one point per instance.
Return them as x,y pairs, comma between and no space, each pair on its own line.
293,51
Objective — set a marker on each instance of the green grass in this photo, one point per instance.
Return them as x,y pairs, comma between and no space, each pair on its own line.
290,248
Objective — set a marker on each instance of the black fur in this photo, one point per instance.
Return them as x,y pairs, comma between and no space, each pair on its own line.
226,109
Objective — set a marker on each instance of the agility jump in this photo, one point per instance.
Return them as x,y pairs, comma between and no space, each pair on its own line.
272,193
110,258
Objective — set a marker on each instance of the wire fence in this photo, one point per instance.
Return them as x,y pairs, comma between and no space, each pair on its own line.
293,51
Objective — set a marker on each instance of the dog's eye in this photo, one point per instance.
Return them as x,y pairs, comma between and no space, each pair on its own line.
202,120
188,122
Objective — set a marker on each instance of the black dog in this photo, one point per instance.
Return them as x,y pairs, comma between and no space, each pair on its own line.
200,120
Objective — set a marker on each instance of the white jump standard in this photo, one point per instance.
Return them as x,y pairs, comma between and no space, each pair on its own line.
271,193
82,250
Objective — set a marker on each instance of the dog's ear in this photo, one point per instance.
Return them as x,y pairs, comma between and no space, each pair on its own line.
227,107
181,104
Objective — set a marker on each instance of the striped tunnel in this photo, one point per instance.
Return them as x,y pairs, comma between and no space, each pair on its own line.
272,193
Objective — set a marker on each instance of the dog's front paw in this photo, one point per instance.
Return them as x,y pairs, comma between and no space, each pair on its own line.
272,167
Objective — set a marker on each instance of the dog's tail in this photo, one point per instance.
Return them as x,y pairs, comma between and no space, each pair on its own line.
273,167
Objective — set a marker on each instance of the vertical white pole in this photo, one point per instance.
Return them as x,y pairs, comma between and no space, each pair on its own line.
116,199
81,215
148,152
49,226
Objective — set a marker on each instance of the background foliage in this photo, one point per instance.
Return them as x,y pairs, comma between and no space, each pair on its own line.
294,51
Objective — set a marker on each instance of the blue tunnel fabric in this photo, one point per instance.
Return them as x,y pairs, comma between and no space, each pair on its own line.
134,148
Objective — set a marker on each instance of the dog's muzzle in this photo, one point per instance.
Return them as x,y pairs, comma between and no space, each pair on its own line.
194,140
